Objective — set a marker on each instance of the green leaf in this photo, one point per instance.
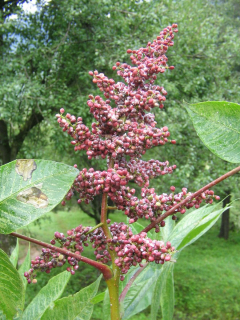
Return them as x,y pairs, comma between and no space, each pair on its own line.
106,306
25,267
2,315
168,228
158,288
140,293
167,293
14,255
202,228
31,188
218,126
98,298
11,287
52,291
76,307
164,293
194,225
136,227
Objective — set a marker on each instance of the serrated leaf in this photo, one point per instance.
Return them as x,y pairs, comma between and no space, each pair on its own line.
194,225
25,197
14,255
25,267
218,125
76,307
51,292
11,287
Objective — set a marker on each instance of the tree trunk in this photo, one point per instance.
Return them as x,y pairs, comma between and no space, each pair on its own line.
7,243
9,152
224,230
5,150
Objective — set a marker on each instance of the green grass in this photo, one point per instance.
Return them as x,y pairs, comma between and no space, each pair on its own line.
207,278
207,273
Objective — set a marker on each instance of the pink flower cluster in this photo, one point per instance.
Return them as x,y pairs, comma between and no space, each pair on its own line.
131,249
128,129
151,206
136,139
90,182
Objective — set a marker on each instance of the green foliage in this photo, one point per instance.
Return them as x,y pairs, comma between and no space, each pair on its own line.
47,295
167,292
14,255
25,266
47,56
46,68
12,289
194,225
98,298
30,189
199,267
13,294
218,126
206,279
155,284
139,295
78,306
206,59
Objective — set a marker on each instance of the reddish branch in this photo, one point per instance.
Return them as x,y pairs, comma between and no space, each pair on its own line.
104,269
130,282
189,198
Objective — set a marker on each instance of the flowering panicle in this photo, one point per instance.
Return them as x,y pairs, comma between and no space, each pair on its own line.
128,129
131,249
123,130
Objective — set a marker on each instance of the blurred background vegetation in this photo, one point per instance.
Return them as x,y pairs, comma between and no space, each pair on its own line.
46,54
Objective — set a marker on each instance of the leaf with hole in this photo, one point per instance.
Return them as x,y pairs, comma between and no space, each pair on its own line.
29,190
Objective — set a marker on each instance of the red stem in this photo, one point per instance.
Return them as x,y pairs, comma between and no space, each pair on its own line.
104,269
130,282
195,194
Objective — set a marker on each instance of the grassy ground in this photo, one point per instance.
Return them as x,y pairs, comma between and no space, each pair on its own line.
207,274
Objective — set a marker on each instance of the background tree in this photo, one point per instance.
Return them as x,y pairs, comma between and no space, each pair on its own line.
206,59
47,55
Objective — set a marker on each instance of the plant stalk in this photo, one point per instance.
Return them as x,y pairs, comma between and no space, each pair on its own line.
113,282
94,228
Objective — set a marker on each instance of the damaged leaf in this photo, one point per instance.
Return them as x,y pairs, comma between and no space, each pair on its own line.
25,168
22,199
34,196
